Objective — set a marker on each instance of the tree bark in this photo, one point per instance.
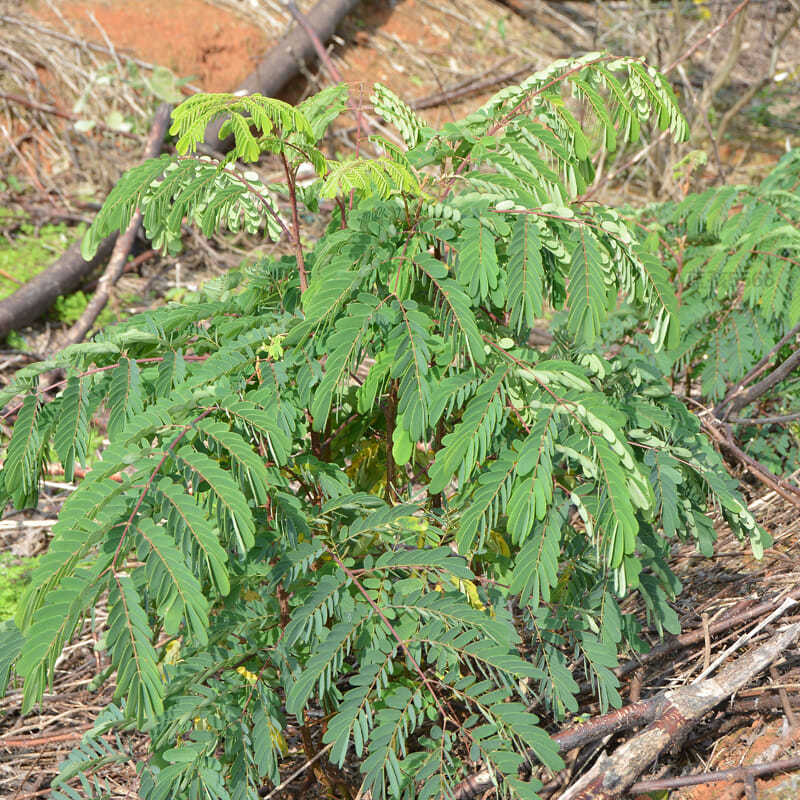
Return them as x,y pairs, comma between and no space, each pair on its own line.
282,63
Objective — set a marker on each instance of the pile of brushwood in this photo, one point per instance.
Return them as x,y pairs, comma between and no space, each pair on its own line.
341,487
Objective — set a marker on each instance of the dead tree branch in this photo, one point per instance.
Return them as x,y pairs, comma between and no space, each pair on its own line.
680,710
735,774
669,714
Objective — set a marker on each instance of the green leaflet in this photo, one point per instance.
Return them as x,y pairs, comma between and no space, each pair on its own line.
225,498
51,628
325,664
193,116
398,114
456,317
471,439
477,268
324,107
345,346
488,501
534,492
11,642
21,467
125,398
263,422
71,439
587,299
248,468
316,609
616,518
410,367
138,678
122,203
525,274
177,594
380,176
536,570
194,533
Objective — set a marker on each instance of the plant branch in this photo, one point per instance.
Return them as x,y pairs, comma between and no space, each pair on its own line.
741,399
734,391
298,248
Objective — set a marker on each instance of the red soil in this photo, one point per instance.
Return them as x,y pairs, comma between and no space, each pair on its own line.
214,47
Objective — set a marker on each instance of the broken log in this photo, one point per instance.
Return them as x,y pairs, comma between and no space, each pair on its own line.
283,62
33,298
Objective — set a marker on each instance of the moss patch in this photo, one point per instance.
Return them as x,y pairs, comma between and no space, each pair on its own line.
29,252
14,576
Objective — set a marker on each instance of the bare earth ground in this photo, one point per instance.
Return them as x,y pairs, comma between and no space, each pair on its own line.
419,48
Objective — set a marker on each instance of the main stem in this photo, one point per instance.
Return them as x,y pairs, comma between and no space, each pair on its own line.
301,264
390,412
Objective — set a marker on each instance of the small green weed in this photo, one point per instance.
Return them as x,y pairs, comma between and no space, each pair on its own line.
14,575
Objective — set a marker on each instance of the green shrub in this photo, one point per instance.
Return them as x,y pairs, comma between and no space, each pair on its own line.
341,482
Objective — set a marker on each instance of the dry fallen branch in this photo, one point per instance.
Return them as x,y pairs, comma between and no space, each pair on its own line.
33,298
736,774
680,710
670,715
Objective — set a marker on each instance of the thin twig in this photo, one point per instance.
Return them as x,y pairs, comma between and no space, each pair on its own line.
298,772
735,774
786,604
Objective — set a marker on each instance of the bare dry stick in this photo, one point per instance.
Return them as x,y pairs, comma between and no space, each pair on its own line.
298,772
786,604
37,741
116,264
735,774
